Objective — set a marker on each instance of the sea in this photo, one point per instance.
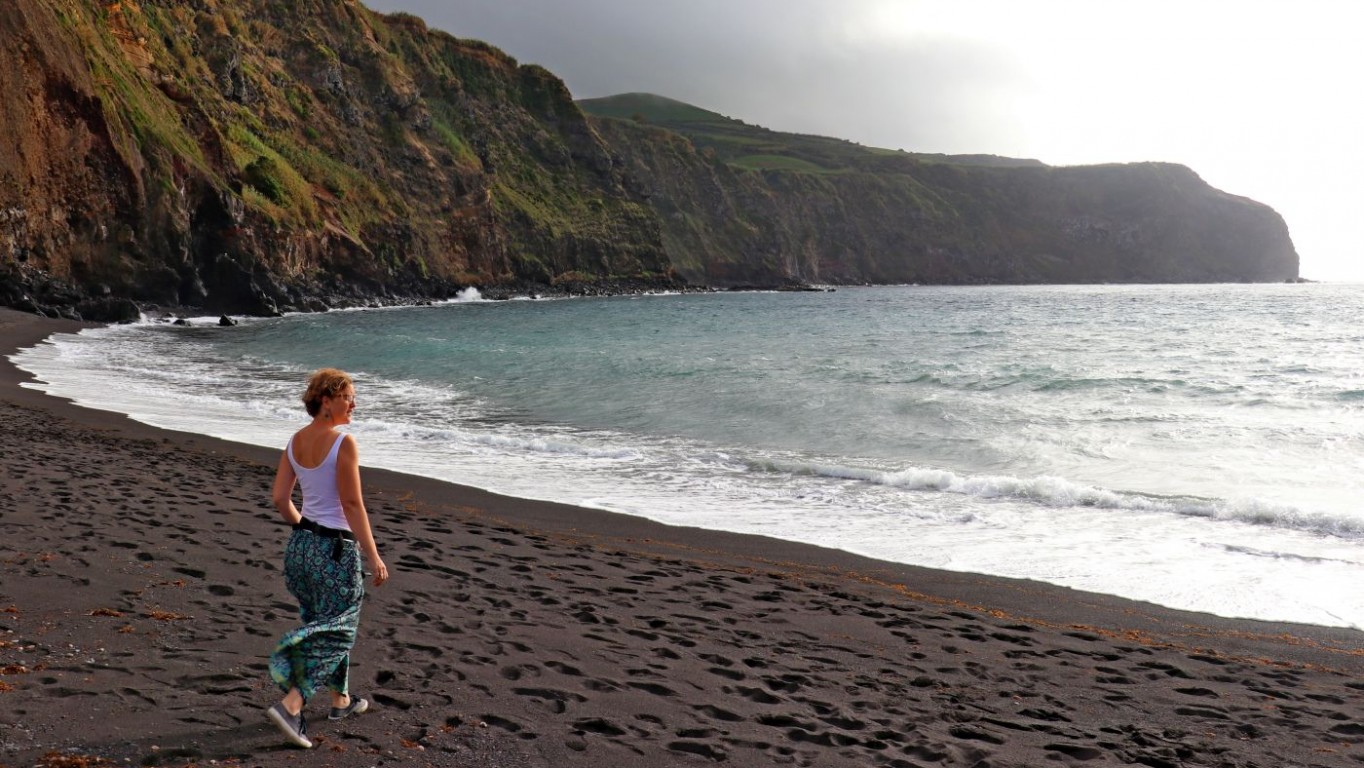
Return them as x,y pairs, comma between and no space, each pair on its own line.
1196,446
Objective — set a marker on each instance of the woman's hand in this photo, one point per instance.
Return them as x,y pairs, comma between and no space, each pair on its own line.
380,571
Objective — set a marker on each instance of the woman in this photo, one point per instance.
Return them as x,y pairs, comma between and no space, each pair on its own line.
322,560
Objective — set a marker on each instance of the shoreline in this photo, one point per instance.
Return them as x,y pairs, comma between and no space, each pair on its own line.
1052,480
520,632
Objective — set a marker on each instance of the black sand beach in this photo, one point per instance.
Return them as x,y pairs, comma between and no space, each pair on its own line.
141,592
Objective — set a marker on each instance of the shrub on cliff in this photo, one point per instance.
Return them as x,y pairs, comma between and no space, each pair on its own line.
264,175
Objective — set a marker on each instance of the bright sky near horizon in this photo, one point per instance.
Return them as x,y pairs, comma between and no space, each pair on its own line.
1261,98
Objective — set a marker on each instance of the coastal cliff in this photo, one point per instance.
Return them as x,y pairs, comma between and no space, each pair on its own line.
744,204
261,156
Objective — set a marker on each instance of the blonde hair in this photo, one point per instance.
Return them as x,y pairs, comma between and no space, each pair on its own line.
326,382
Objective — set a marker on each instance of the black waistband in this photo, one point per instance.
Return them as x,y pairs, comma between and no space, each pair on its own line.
322,530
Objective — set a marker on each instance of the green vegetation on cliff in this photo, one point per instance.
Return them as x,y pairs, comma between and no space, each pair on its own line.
250,154
750,146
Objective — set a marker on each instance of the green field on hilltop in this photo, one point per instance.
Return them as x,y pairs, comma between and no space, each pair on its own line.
754,147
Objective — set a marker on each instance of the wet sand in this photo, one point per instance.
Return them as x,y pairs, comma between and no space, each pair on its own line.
141,593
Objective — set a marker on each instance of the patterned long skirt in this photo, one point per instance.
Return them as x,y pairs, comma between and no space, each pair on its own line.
329,585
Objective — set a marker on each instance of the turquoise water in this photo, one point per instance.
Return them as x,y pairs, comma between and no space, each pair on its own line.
1196,446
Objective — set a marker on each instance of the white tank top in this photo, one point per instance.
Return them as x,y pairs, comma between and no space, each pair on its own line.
321,498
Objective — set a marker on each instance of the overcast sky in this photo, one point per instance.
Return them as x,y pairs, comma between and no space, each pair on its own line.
1262,98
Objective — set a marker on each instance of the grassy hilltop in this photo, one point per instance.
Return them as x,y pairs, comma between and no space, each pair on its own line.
756,148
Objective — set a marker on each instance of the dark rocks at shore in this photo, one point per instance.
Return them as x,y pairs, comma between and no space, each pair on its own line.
37,293
243,294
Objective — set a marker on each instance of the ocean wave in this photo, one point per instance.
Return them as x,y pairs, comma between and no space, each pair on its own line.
466,296
1122,383
1276,555
1059,492
520,444
561,447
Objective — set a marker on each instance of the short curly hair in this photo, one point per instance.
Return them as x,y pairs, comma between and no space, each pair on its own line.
326,382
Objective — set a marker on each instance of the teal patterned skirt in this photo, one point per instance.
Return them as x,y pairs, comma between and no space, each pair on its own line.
324,575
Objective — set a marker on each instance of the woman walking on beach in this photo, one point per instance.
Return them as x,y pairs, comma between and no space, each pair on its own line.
322,560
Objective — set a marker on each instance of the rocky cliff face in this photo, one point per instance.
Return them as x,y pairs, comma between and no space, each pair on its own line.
263,155
905,220
258,155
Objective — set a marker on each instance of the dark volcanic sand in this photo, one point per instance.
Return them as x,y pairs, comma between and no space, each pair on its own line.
141,592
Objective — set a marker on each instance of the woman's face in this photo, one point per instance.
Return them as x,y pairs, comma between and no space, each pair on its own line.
340,406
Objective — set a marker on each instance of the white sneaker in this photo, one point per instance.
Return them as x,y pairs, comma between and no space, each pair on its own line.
294,727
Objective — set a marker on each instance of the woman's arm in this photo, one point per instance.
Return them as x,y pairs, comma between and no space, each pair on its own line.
353,504
283,493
